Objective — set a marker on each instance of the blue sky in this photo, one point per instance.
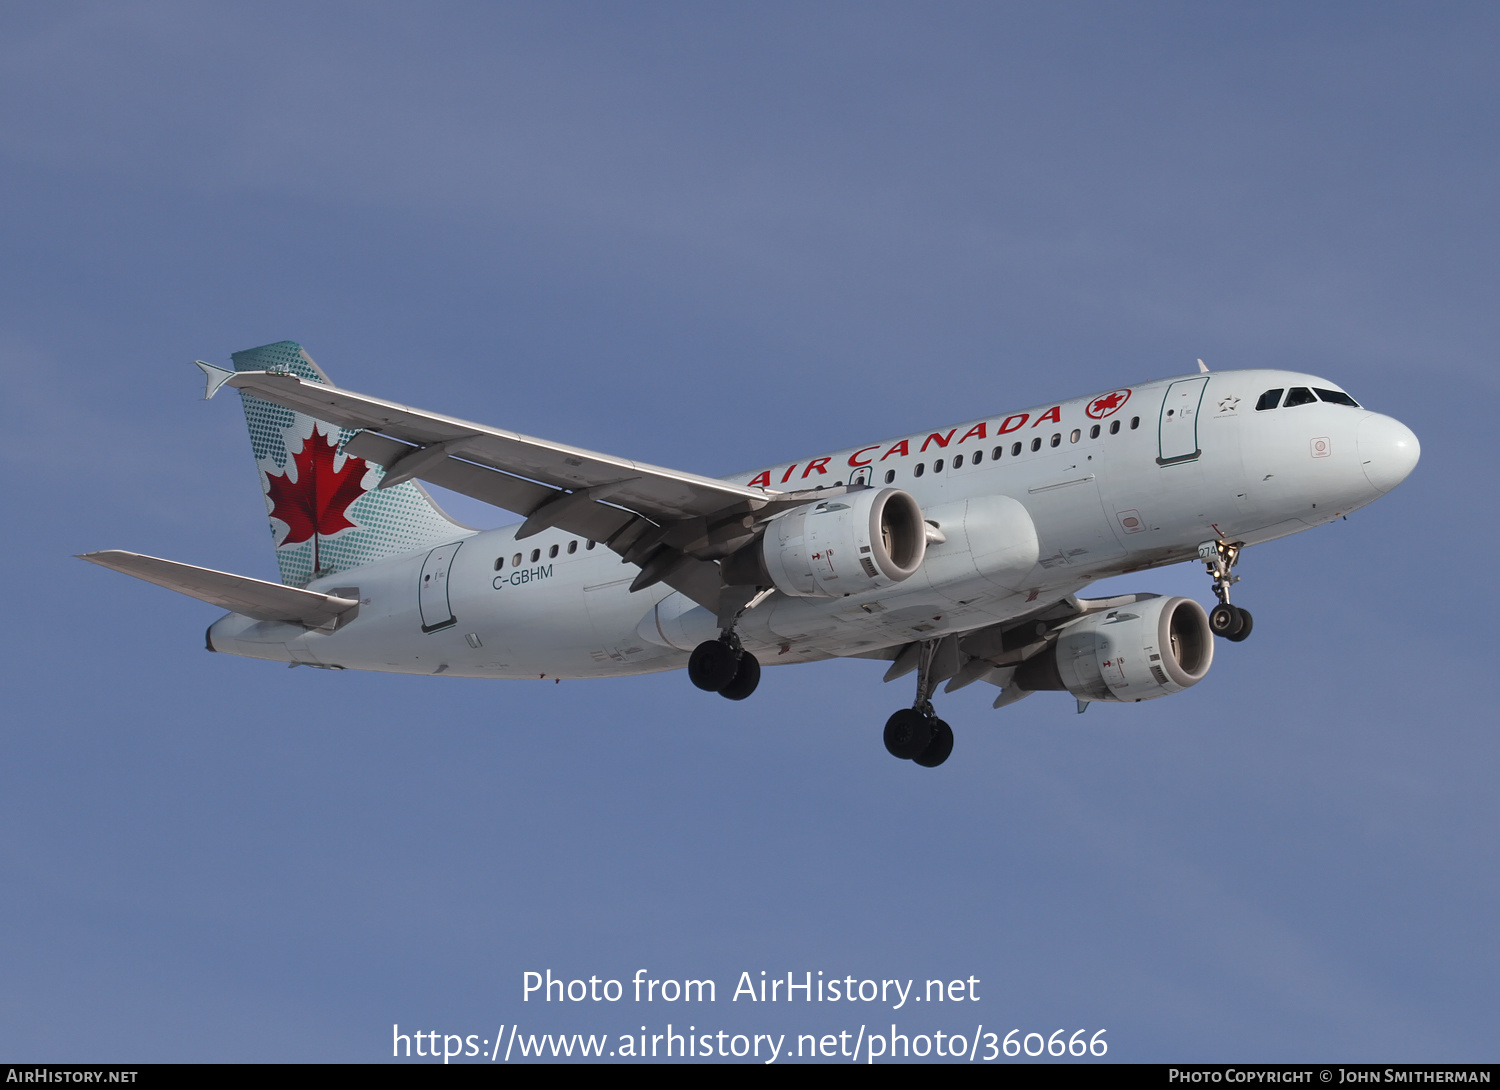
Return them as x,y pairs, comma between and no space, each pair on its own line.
714,237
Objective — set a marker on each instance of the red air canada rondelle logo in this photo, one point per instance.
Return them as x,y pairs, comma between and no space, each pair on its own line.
1107,404
316,502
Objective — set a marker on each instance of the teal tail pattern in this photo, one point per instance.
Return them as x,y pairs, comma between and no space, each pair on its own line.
326,514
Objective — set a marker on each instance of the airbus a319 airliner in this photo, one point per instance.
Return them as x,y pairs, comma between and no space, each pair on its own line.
956,553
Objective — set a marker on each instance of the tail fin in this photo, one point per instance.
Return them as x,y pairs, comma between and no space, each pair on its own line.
326,515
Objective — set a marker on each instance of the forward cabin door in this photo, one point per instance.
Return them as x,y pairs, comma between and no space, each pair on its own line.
432,589
1177,428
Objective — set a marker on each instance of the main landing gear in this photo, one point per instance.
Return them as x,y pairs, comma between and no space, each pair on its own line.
723,666
916,733
1229,621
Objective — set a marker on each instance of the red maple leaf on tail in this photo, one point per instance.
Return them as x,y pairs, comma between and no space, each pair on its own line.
314,505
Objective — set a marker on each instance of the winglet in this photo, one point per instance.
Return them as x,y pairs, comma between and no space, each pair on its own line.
216,376
1203,367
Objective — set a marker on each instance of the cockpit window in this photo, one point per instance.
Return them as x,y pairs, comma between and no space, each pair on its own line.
1299,395
1335,397
1269,400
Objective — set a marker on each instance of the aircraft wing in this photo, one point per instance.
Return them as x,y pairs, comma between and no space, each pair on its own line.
660,494
237,593
674,525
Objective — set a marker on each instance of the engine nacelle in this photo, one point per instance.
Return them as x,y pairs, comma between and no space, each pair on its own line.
1137,652
859,541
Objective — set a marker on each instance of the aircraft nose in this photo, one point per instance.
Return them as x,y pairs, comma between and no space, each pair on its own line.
1388,451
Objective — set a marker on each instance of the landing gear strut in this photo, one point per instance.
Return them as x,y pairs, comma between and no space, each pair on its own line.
723,666
1229,621
916,733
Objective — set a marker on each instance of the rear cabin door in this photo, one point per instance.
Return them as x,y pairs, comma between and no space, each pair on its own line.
432,590
1177,428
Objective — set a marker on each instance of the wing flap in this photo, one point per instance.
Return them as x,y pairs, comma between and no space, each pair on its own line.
237,593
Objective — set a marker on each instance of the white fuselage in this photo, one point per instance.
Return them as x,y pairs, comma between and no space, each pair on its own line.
1021,530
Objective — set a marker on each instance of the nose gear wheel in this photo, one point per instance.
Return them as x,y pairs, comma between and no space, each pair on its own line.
1231,622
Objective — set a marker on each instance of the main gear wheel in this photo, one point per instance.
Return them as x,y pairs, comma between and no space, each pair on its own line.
723,667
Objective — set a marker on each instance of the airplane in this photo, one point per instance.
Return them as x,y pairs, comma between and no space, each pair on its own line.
957,554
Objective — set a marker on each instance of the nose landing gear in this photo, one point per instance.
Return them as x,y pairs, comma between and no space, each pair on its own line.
916,733
1227,620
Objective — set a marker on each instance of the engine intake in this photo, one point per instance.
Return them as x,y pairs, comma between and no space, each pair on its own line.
859,541
1138,652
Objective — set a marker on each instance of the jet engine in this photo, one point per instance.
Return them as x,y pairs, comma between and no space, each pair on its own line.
1141,651
858,541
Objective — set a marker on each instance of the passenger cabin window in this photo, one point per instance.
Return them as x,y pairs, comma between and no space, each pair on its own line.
995,454
1094,432
1056,438
1114,429
1015,449
921,468
1036,444
1335,397
1299,395
591,544
1135,422
515,561
499,562
572,547
536,554
1270,399
552,551
890,475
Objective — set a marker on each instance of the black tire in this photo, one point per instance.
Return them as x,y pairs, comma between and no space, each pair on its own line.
712,666
1247,622
1225,621
908,733
939,748
746,678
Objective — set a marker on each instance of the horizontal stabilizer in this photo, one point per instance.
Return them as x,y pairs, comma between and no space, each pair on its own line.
237,593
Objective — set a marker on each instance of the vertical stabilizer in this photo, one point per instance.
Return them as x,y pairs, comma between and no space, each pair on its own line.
326,515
